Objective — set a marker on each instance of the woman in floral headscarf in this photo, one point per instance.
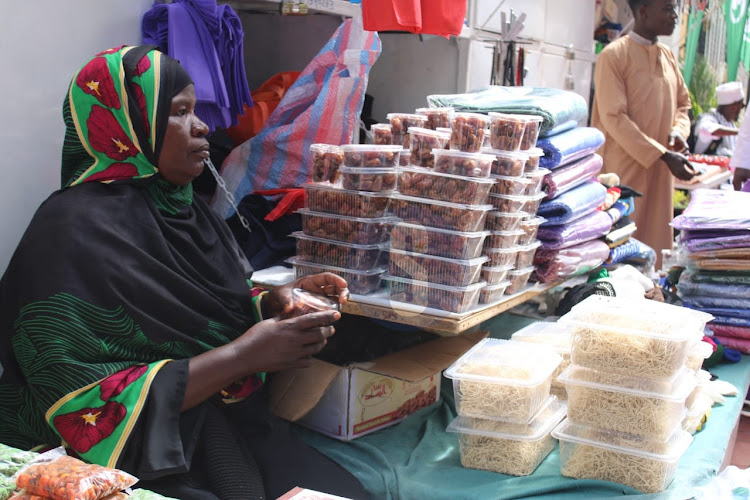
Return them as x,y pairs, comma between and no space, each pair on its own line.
128,330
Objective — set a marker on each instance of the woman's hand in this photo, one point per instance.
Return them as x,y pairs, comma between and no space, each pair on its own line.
279,299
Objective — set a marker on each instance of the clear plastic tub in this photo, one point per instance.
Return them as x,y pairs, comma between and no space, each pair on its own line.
457,299
531,127
506,448
519,278
448,161
632,335
493,293
423,267
468,131
502,380
506,184
555,336
502,239
440,214
440,242
382,134
525,255
647,466
534,181
508,204
530,228
365,231
327,159
534,156
306,302
650,408
400,124
374,180
501,256
436,117
506,131
425,183
701,377
531,204
494,274
359,282
337,253
504,221
507,163
334,200
697,353
371,155
404,160
422,141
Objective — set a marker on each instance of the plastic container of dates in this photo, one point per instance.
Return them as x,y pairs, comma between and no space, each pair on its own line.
504,221
359,282
530,228
457,299
508,163
508,203
374,180
439,214
468,131
382,134
501,256
439,242
436,117
449,161
334,200
442,270
305,302
327,159
531,204
532,126
338,253
513,186
534,179
519,278
493,293
404,160
421,143
503,239
425,183
494,275
506,131
535,154
400,124
525,255
371,155
364,231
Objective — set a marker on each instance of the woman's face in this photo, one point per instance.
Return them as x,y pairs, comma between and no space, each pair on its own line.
185,147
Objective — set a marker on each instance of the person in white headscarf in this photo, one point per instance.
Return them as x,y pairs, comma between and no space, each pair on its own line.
741,158
716,131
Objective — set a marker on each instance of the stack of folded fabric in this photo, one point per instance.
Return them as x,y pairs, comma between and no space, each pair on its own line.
716,238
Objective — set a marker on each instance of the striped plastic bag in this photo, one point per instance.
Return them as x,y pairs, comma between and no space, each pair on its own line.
323,106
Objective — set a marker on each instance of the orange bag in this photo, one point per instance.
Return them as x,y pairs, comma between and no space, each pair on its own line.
265,100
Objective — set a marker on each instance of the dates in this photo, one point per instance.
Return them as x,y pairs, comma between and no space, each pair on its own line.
495,275
535,155
535,179
507,203
501,256
439,214
404,160
507,163
359,282
346,229
418,266
400,123
531,204
326,161
339,254
506,131
436,117
422,142
502,239
518,280
467,131
460,163
531,129
333,200
501,221
370,155
493,293
448,298
525,255
443,187
530,228
374,180
305,302
439,242
513,186
382,134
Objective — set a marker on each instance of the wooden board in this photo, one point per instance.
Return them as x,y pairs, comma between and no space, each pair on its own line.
709,183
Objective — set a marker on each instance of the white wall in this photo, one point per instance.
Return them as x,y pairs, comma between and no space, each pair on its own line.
42,43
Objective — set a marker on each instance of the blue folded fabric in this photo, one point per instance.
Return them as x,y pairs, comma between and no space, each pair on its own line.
573,204
569,146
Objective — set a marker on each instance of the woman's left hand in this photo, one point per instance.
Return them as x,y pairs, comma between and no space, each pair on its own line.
279,299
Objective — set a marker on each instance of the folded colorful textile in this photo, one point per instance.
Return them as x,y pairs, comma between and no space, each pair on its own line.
739,332
574,204
715,209
552,265
688,286
621,231
569,146
574,174
588,227
622,208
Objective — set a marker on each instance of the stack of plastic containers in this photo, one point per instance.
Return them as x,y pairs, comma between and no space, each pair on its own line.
557,337
505,411
627,388
345,226
515,197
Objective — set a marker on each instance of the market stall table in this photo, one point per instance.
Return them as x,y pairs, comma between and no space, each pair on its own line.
708,183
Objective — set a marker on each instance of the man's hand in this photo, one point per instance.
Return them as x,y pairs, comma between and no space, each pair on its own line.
741,175
677,143
679,165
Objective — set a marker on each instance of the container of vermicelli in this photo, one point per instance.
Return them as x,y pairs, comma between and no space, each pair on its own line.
555,336
647,466
502,380
504,447
632,335
645,407
697,354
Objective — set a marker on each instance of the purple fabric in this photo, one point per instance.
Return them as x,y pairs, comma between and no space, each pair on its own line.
591,226
718,243
569,146
207,40
553,265
566,178
574,204
715,209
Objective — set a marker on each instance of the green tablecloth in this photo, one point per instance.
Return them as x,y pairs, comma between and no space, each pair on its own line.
416,459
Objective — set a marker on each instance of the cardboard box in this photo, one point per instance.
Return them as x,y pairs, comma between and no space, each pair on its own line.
346,402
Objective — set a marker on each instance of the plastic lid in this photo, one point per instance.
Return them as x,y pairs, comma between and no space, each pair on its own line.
522,180
541,424
419,227
497,269
384,126
464,262
507,116
536,221
701,349
512,215
522,155
479,208
331,187
447,130
676,389
512,232
302,236
427,131
538,362
497,286
462,154
430,172
434,110
367,220
511,197
513,249
368,171
325,147
667,451
552,334
385,148
534,152
531,246
334,269
522,271
539,172
469,114
406,115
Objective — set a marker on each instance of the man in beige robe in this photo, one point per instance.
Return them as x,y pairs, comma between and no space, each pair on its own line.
641,105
